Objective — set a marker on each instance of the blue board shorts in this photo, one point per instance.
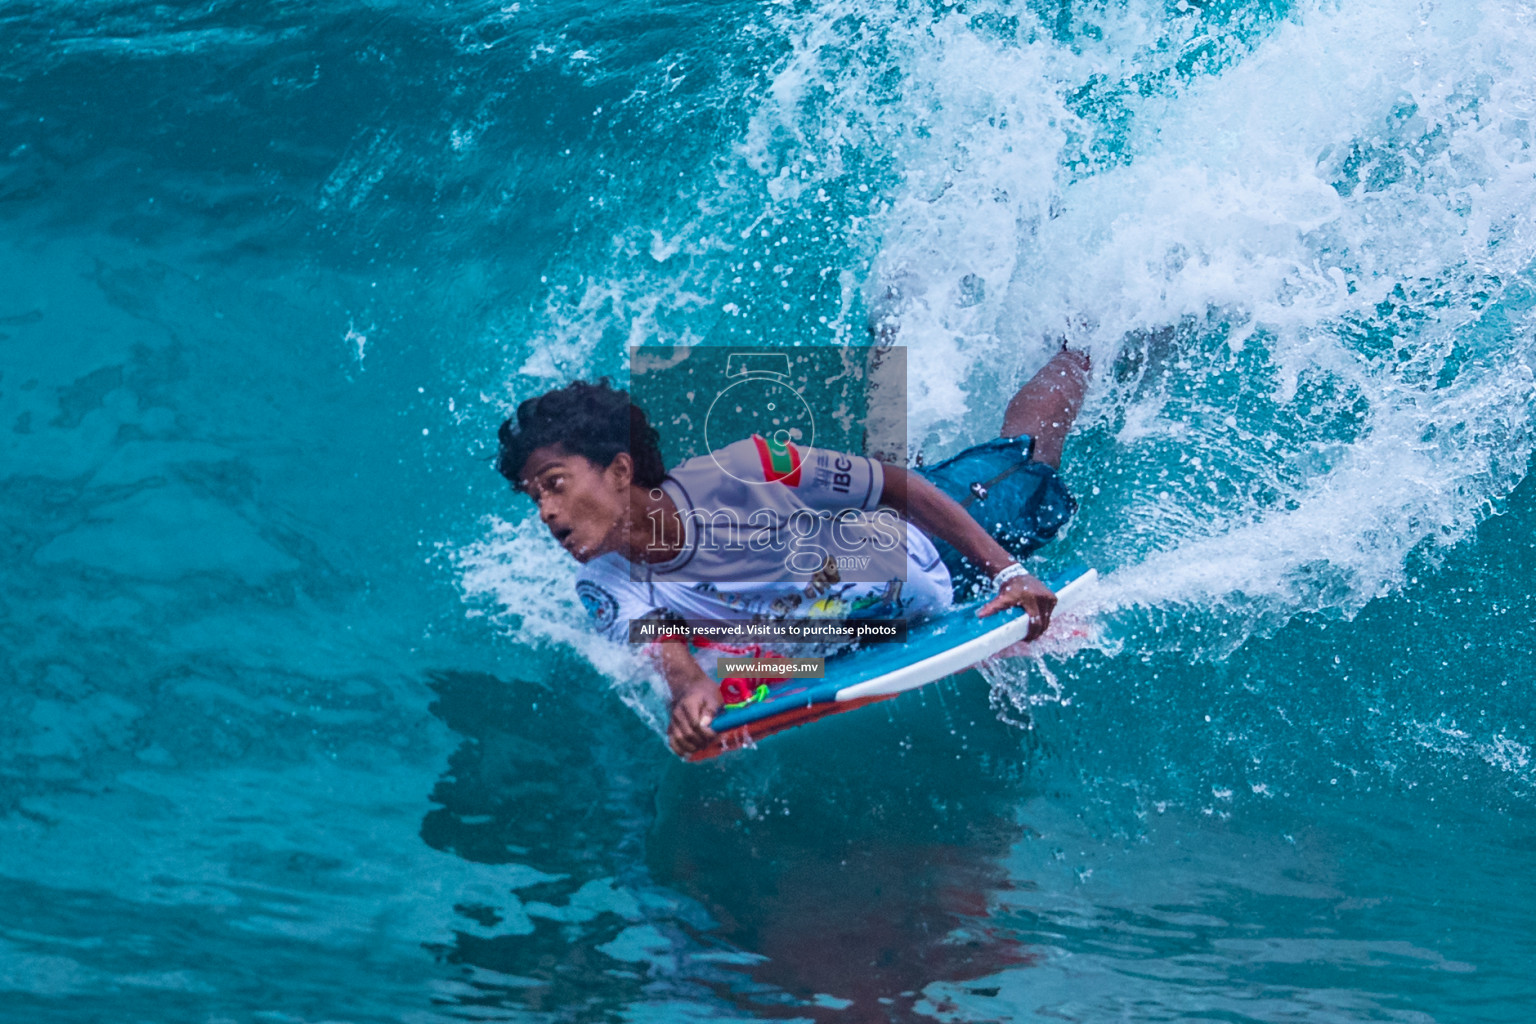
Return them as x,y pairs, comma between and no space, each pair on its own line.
1020,502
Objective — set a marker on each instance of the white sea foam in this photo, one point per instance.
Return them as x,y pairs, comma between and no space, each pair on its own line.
1349,159
1300,267
526,580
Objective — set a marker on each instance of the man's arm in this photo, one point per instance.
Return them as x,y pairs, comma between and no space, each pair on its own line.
935,513
695,696
614,603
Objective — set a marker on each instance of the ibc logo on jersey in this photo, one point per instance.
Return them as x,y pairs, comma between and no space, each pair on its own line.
835,475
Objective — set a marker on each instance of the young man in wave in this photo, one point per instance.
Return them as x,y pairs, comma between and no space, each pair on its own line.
724,536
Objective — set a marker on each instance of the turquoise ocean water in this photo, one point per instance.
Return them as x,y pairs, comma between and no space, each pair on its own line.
300,719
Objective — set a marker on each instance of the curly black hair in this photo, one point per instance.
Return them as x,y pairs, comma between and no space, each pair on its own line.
596,421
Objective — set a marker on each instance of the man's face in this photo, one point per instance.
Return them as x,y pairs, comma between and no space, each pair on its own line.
583,504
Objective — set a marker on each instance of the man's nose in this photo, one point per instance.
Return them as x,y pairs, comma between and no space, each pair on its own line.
546,510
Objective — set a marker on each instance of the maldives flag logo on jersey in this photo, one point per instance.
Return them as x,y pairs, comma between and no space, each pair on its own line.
781,461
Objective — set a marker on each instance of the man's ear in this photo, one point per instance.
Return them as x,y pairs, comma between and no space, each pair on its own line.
621,471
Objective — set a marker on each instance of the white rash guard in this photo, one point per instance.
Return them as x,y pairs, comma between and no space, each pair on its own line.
772,532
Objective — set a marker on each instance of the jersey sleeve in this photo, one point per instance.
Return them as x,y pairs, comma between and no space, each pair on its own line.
821,477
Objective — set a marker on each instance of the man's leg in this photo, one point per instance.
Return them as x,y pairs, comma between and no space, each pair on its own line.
1048,403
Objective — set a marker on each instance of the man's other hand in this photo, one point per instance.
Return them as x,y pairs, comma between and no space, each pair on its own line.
1028,593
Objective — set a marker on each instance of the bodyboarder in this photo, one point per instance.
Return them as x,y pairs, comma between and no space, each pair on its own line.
681,544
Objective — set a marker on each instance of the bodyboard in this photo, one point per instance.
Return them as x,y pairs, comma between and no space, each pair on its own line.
934,650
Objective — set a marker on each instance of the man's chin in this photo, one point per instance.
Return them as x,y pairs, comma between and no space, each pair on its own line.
584,554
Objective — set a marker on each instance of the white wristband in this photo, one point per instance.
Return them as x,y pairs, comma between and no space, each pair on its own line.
1011,571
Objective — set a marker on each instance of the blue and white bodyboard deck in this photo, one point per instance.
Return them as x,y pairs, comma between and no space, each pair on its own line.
934,650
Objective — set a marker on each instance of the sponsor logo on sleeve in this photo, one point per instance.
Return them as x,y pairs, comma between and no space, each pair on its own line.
601,605
833,475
